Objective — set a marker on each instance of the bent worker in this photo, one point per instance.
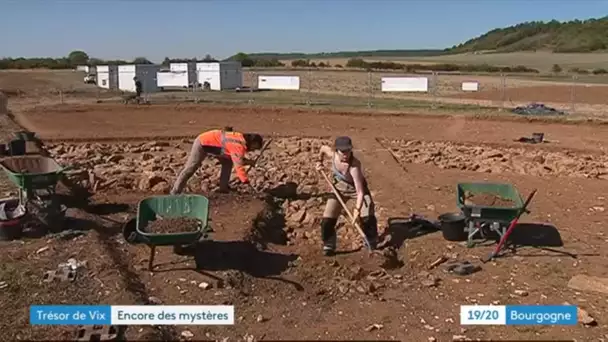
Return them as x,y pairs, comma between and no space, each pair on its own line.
228,147
350,182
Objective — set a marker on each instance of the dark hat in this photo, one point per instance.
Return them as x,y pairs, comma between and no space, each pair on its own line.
343,144
253,138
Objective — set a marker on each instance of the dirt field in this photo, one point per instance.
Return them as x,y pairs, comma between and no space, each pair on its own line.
341,88
539,60
265,255
561,94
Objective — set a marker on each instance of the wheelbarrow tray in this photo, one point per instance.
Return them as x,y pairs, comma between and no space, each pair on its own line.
32,172
172,206
489,213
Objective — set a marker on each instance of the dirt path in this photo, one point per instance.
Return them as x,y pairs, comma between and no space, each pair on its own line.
164,121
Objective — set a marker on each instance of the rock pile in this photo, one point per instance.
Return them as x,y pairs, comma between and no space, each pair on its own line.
447,155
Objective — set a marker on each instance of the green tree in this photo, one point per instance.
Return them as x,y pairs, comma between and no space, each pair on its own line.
208,58
244,59
556,68
299,63
78,57
142,60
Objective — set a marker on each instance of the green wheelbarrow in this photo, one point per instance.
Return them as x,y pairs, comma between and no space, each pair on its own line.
487,218
149,210
33,173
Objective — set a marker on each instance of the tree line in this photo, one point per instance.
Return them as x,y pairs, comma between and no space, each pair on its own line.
569,36
359,63
71,61
76,58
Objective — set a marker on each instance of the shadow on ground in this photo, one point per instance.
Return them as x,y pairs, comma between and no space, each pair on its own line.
400,229
536,235
240,256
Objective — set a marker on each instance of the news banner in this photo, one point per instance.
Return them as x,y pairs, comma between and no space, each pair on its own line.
224,315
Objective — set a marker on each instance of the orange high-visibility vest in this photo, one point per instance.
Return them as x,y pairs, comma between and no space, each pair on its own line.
232,144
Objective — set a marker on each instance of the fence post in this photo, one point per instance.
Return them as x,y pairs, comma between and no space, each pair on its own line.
573,94
434,89
309,88
370,86
143,85
503,92
252,85
61,96
195,89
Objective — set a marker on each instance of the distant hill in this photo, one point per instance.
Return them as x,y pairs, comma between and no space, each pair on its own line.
343,54
571,36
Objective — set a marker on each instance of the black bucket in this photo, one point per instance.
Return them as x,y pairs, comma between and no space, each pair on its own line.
3,151
452,226
17,147
538,137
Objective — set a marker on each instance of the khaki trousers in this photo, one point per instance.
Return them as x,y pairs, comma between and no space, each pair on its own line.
333,209
195,159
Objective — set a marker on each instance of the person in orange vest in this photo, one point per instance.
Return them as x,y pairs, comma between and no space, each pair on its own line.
230,149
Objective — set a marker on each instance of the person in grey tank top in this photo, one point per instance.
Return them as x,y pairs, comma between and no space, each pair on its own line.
350,182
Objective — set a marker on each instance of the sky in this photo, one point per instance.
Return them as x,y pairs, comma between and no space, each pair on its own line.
125,29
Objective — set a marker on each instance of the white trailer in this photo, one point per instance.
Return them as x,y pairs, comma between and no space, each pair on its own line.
107,76
279,82
91,70
220,75
179,75
146,73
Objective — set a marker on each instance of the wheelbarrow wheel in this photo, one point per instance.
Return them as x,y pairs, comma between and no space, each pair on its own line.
129,231
185,249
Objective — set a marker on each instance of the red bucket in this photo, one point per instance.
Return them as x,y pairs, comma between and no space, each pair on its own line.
11,227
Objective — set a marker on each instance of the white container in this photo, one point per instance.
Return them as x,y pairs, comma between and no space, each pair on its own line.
146,73
220,75
279,82
107,76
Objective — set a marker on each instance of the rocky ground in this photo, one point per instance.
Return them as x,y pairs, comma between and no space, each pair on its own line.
264,258
483,158
285,171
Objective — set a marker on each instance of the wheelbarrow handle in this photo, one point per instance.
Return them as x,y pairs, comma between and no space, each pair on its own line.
506,235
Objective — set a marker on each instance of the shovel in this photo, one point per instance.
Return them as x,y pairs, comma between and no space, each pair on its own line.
504,238
349,214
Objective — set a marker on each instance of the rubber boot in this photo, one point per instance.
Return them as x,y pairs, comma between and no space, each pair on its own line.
328,234
370,229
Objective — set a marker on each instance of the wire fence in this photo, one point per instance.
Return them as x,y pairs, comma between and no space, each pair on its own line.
338,88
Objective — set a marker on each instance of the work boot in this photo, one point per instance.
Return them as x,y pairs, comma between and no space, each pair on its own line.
328,235
224,190
370,229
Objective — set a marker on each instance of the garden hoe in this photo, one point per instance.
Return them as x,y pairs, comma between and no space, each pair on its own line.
504,238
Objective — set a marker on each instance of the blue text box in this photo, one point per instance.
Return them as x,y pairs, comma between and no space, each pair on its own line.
541,315
70,314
